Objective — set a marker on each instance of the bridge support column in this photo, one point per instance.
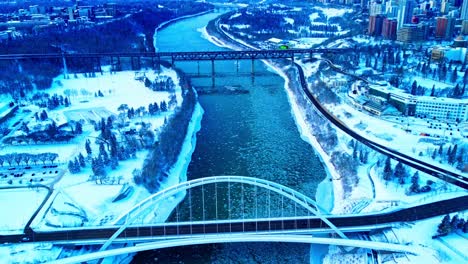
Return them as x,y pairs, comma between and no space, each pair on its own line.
65,68
119,66
252,67
198,68
237,66
212,68
112,64
98,62
292,60
138,62
132,63
158,65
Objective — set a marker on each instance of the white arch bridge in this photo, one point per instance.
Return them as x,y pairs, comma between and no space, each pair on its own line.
224,235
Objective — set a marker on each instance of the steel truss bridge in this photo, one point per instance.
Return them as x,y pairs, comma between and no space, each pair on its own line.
293,229
184,56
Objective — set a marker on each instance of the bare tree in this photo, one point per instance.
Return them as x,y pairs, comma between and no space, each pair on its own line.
51,157
26,158
18,158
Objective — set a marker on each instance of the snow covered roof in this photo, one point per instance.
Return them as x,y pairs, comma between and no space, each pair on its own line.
275,40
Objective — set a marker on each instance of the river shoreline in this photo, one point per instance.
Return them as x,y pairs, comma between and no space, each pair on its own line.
170,22
329,188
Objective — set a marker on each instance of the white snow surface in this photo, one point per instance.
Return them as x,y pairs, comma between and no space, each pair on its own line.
117,89
241,26
304,43
235,15
29,253
289,20
313,16
333,12
18,205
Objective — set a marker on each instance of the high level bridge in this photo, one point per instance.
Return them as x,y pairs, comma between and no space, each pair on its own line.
135,58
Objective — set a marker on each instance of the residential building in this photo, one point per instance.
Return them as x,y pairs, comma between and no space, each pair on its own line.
391,9
464,27
375,25
410,33
445,6
444,27
405,12
389,28
364,4
464,11
376,8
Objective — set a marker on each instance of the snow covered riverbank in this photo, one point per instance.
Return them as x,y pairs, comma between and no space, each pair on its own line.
325,190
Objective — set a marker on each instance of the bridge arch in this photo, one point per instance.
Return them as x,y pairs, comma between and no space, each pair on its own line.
301,199
198,240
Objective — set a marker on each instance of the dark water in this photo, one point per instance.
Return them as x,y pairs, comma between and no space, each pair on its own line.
251,134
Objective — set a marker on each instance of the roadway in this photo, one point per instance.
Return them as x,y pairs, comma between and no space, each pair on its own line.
441,173
367,222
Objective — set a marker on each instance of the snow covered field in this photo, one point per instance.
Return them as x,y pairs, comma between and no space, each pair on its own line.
18,205
77,200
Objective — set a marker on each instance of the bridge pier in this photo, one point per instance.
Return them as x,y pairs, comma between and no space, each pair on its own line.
98,64
198,68
119,65
112,63
65,69
252,67
212,68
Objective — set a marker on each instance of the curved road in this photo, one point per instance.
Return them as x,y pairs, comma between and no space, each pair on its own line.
443,174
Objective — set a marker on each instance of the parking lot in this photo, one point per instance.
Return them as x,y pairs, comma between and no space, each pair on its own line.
28,175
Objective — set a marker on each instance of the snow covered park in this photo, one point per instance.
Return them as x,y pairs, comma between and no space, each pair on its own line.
79,199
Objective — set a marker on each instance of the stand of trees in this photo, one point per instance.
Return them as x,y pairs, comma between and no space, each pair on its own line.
171,138
449,225
27,158
453,155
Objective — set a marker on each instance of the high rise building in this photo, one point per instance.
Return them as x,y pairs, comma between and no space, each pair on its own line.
445,6
376,8
391,9
405,12
375,25
389,28
464,27
444,27
364,4
464,10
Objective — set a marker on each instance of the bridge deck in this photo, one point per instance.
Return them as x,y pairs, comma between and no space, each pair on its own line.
183,56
